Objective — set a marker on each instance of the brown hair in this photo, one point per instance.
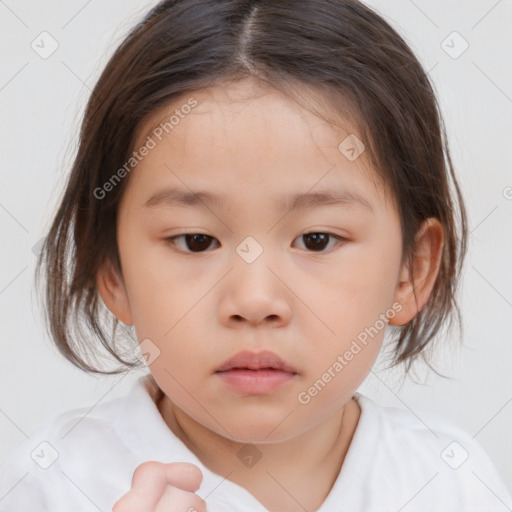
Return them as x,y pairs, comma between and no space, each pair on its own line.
340,48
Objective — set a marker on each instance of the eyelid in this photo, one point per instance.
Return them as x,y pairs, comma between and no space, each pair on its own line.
170,241
340,239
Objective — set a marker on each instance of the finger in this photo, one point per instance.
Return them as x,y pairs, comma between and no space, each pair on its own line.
149,482
177,500
148,485
184,475
133,502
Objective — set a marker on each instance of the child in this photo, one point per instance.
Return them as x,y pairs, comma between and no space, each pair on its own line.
262,190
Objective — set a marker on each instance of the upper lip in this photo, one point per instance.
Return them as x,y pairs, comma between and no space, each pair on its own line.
256,361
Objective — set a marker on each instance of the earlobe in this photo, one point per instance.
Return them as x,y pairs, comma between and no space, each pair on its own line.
419,276
113,293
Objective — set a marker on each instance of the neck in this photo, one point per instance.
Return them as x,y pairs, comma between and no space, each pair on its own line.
298,470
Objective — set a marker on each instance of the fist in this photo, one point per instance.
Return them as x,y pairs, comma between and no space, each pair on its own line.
159,487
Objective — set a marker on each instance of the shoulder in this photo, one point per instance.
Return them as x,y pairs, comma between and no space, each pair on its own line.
448,466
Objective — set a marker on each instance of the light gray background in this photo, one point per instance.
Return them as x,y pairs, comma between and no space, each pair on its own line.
42,100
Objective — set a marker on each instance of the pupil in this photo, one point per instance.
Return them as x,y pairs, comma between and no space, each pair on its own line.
319,240
200,238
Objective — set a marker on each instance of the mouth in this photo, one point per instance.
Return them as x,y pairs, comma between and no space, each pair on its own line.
255,373
256,361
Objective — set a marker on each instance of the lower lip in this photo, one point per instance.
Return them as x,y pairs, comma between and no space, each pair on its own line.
255,381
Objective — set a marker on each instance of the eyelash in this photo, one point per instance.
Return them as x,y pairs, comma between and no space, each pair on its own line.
170,240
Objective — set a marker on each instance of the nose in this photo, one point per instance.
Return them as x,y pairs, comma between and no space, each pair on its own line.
254,294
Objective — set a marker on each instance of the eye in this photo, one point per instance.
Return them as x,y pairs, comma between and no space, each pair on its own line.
196,242
317,241
199,242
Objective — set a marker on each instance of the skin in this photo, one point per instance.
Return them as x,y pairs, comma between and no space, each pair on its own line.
256,145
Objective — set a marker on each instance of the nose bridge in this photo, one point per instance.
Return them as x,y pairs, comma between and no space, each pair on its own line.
255,292
253,261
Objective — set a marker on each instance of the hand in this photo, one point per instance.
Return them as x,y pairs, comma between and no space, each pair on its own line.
159,487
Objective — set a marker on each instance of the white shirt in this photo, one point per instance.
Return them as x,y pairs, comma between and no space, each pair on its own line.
395,463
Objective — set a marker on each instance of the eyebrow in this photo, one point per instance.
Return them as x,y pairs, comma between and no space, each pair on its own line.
173,197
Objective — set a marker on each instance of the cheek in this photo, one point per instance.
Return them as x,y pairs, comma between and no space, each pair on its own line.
355,292
165,303
370,274
355,305
151,284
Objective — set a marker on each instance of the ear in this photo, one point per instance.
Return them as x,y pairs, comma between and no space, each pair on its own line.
416,283
113,293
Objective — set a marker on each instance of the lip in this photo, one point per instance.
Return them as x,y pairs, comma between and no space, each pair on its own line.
255,372
256,361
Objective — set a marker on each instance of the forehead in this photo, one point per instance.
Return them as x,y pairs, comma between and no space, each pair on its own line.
243,134
247,111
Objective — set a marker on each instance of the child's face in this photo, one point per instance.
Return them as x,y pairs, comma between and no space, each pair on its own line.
307,306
